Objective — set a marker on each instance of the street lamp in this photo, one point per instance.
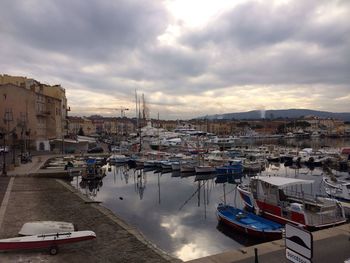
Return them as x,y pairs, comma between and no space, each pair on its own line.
2,136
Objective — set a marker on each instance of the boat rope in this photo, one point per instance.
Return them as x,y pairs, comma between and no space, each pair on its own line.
194,193
221,197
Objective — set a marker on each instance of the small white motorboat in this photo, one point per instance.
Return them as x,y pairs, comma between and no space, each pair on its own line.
337,189
51,240
45,227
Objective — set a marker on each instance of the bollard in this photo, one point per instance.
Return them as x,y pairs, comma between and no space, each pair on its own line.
256,255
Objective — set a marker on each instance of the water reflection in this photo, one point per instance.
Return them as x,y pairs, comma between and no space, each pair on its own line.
244,240
91,187
176,211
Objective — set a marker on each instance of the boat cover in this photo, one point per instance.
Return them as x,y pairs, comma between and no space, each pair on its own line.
282,182
44,227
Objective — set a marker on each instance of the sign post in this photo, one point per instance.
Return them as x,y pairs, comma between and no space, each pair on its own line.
299,244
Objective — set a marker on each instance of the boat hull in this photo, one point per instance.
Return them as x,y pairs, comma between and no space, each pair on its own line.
204,169
250,230
46,240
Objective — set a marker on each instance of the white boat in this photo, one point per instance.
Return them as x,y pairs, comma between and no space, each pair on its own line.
151,163
51,240
175,166
45,227
278,198
338,189
204,169
187,167
118,159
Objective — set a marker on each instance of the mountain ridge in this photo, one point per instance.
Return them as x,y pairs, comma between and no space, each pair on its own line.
276,114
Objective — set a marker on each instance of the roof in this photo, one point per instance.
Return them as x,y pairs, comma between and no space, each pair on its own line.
281,182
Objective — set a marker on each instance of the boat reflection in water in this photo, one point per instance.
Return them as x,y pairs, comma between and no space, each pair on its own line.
177,211
92,186
244,240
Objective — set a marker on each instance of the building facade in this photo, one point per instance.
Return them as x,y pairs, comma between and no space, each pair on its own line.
32,111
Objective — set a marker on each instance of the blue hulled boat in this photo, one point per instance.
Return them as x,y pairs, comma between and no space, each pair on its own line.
249,223
234,167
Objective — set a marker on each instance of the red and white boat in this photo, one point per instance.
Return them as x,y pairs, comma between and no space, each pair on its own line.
282,200
51,241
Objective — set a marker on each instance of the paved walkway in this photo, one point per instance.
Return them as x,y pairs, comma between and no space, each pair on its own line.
50,199
30,167
330,245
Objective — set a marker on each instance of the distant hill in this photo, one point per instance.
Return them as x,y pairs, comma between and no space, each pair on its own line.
274,114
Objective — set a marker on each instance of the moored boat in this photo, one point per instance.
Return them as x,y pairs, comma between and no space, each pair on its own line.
45,227
45,240
118,159
204,169
338,189
248,223
273,197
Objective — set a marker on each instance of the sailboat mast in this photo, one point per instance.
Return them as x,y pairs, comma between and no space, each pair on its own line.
137,119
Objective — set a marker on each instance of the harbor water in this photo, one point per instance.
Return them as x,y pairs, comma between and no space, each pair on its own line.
176,212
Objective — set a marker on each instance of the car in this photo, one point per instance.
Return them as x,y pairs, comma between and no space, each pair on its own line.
4,149
97,149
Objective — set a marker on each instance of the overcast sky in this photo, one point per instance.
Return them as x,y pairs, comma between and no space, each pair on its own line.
189,57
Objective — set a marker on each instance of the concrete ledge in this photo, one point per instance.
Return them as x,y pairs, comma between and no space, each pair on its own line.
268,247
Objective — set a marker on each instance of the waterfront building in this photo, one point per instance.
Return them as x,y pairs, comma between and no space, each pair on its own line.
76,125
34,112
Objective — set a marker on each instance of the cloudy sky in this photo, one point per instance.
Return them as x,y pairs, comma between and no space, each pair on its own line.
189,57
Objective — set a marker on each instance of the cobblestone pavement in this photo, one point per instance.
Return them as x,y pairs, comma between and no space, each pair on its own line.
3,186
48,199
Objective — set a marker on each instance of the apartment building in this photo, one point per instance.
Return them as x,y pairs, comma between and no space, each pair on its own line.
33,111
80,123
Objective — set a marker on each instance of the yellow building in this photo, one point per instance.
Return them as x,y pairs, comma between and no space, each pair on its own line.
39,109
77,123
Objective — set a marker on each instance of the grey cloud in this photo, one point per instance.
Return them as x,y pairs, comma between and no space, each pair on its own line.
87,28
253,44
253,24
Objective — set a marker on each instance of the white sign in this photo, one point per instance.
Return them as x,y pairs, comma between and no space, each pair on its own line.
299,240
295,257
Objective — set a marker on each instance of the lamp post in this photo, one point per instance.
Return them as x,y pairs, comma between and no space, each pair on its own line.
8,117
2,136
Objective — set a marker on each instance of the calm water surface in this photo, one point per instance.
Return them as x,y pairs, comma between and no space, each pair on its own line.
172,213
177,213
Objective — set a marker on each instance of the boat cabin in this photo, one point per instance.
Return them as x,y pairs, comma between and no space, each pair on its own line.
283,199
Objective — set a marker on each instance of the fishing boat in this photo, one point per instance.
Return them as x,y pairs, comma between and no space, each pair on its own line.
248,223
175,166
337,189
118,159
231,168
93,170
187,167
204,169
45,227
52,240
276,198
